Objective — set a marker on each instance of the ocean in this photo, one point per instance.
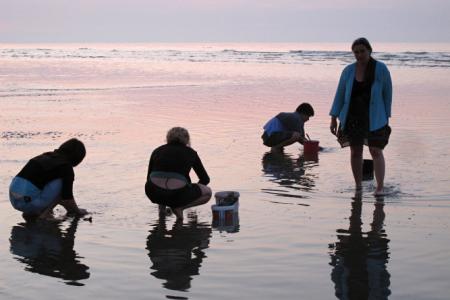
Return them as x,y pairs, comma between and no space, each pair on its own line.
299,233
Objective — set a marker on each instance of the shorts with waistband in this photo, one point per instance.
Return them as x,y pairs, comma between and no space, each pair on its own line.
29,199
276,138
356,133
172,198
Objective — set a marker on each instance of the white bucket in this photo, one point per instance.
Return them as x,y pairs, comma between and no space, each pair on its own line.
225,211
226,196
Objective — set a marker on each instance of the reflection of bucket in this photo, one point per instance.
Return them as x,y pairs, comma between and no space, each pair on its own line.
230,223
367,169
311,156
224,212
310,147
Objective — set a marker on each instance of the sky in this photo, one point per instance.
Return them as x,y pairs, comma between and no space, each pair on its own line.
23,21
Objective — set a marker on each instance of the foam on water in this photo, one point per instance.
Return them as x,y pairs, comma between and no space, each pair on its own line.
198,53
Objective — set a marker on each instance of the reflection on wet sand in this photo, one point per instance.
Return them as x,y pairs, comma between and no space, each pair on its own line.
289,173
229,224
47,248
177,254
359,259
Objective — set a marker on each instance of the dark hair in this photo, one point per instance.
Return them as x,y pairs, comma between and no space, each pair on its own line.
305,108
73,150
369,75
362,41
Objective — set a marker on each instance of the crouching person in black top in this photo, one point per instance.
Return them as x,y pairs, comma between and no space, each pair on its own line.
168,182
46,181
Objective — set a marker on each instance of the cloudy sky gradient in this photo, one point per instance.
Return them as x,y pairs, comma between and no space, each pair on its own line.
223,20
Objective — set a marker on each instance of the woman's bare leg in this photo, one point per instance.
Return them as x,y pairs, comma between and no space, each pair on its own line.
296,137
48,212
379,167
204,198
356,161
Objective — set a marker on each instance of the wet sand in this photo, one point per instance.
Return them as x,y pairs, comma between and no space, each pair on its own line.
301,233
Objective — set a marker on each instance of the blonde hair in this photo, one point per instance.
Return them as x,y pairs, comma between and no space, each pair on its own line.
178,135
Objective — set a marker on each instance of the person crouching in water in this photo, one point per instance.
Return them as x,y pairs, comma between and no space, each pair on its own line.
287,128
46,181
168,182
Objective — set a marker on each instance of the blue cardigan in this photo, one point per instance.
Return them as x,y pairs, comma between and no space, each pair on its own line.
380,97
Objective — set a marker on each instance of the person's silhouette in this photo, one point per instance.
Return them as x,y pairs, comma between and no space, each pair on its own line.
45,248
288,172
177,254
359,259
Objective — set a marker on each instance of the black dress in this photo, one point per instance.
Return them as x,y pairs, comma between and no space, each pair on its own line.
356,131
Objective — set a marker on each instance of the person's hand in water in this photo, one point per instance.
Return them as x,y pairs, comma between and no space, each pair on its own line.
79,212
82,212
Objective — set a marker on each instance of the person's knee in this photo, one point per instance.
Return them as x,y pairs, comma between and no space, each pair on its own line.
206,190
356,151
205,199
206,193
376,152
296,136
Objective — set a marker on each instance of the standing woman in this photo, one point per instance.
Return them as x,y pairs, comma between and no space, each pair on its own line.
363,105
168,182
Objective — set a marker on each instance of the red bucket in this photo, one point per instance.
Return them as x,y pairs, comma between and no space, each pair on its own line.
311,147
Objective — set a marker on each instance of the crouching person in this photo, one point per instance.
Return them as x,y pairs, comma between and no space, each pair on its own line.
287,128
46,181
168,182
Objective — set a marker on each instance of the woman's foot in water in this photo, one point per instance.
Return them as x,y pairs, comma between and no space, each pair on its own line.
164,210
48,215
358,195
379,192
178,213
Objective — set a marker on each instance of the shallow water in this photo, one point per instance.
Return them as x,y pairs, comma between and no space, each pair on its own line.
300,233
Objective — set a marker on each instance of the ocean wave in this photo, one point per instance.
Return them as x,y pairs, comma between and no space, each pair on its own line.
8,135
39,92
18,135
293,56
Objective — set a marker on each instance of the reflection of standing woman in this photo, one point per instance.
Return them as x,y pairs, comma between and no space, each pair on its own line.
360,259
363,105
